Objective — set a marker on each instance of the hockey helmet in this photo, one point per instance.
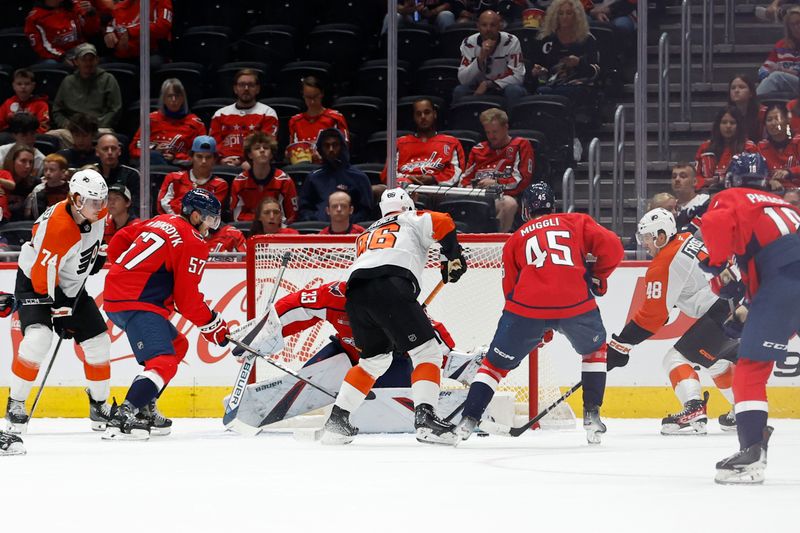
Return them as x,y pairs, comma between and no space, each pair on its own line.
203,202
655,221
393,200
538,197
747,170
92,188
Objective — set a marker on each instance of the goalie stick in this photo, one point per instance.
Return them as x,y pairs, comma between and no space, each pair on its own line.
232,407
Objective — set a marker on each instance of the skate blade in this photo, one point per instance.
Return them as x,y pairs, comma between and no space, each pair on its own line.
329,438
307,434
747,476
426,436
160,432
15,448
99,426
593,438
134,435
695,428
728,429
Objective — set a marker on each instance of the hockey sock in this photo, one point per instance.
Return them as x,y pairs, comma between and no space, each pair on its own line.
427,373
724,383
685,382
96,365
750,427
750,392
357,383
142,392
482,389
593,375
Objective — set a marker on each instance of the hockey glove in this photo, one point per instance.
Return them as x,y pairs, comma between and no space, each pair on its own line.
725,285
734,324
617,353
216,331
453,269
6,304
99,261
599,286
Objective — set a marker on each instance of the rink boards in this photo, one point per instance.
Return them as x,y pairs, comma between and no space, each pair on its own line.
640,390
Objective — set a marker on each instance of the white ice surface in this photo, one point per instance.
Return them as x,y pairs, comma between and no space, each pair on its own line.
203,479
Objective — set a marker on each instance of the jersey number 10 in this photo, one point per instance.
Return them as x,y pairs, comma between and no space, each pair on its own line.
558,253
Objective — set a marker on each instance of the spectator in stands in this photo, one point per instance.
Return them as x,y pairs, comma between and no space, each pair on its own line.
742,94
336,174
24,101
304,127
428,157
55,27
775,11
53,189
566,53
123,31
231,124
225,238
433,12
663,200
19,165
119,210
792,196
779,72
621,14
262,179
491,62
177,184
89,90
340,212
690,205
269,219
781,153
108,151
23,127
82,130
172,127
500,161
714,155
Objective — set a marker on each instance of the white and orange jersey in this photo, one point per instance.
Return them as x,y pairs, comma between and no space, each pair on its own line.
674,279
61,253
399,241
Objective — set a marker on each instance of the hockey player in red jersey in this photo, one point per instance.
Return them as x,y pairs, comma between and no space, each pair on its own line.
159,269
758,230
548,284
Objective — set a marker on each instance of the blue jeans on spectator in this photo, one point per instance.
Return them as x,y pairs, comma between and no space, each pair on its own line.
512,93
778,82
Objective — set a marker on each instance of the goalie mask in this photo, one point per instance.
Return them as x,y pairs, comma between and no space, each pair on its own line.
537,199
91,187
393,200
203,202
654,222
747,170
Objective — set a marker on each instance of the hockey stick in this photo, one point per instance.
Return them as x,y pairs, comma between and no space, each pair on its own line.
433,294
501,429
232,407
55,353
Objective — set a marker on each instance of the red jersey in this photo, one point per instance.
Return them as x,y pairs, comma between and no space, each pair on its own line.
159,268
177,184
126,15
440,156
231,125
247,193
710,166
170,135
36,105
304,130
511,166
111,227
354,229
226,239
783,157
544,265
53,32
740,223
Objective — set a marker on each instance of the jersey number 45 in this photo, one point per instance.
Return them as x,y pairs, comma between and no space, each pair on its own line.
559,253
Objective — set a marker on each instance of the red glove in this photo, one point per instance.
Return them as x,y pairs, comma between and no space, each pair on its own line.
6,304
216,331
599,286
443,334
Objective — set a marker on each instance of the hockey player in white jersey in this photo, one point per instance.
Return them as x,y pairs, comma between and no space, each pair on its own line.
382,288
53,266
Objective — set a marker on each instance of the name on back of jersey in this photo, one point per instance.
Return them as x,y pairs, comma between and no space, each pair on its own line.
546,223
692,247
169,229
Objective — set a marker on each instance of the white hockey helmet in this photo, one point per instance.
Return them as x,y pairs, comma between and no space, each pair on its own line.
92,188
655,221
396,199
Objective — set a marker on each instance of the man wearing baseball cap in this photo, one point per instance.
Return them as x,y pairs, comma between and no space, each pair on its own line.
119,215
177,184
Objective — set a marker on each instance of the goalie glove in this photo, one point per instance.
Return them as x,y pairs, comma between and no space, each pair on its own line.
100,260
7,304
263,334
216,331
617,353
453,269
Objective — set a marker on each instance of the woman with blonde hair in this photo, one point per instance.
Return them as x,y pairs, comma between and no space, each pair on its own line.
780,71
566,52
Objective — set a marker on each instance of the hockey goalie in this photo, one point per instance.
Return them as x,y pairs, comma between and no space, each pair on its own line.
390,411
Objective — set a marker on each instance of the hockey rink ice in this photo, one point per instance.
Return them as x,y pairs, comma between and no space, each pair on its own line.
201,478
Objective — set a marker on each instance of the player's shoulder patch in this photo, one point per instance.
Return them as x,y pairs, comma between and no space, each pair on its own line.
337,288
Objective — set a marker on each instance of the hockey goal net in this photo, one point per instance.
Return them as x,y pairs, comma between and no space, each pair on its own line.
469,309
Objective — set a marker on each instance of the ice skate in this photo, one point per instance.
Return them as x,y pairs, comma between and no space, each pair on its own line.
592,424
11,444
338,429
159,424
727,422
464,429
745,467
431,429
16,417
691,421
99,413
124,425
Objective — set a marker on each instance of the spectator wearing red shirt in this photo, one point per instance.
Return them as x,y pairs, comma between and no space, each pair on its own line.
124,31
119,210
340,210
55,27
304,127
24,101
177,184
225,238
232,124
500,161
714,155
268,221
780,151
262,179
172,127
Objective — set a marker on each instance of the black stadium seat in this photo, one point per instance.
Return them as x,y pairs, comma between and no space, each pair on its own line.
49,78
375,150
206,108
364,115
290,75
129,122
450,40
300,172
372,170
13,12
414,44
192,76
17,233
208,45
6,91
437,77
309,227
127,77
372,77
468,139
551,115
285,107
478,215
465,114
337,44
274,44
15,48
